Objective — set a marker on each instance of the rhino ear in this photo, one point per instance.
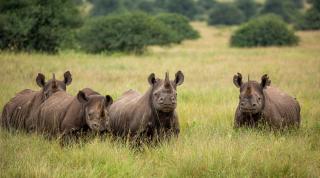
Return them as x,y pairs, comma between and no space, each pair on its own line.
152,79
179,78
109,100
81,96
67,78
237,80
41,81
265,81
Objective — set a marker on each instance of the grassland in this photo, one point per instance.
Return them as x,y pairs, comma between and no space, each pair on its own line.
208,146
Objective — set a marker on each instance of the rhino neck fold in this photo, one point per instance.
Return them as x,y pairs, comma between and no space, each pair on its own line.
81,115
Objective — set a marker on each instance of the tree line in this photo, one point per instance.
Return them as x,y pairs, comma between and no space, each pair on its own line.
96,26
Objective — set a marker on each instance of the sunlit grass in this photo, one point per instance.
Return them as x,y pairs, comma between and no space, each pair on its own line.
208,146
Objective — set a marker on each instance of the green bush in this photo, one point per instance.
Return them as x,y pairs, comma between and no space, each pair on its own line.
205,5
179,25
284,8
123,33
311,20
184,7
226,14
105,7
36,25
248,7
298,3
315,4
268,30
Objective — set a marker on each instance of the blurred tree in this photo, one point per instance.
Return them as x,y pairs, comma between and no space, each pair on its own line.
205,5
131,32
284,9
248,7
104,7
311,20
78,2
316,4
183,7
146,6
267,30
179,25
161,3
226,14
298,3
36,25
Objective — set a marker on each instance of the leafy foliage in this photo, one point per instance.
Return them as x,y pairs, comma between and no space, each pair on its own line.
285,9
248,7
298,3
267,30
316,4
36,25
226,14
183,7
104,7
204,5
311,20
179,25
128,33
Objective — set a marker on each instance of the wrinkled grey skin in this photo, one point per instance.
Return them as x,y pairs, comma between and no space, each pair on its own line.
153,114
65,114
17,112
261,103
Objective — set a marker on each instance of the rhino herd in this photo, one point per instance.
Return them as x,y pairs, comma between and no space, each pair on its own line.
54,112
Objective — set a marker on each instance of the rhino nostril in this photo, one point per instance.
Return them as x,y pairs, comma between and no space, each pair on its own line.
242,103
161,100
254,105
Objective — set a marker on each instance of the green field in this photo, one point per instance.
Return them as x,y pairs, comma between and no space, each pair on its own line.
207,146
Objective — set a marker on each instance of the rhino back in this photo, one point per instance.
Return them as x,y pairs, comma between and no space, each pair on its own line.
52,112
281,110
128,113
16,111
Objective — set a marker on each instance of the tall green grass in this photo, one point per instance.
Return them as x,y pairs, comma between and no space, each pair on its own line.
207,146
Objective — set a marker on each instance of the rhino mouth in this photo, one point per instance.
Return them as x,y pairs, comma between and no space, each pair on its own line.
167,107
248,110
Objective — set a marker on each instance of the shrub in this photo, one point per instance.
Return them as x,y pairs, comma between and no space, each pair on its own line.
126,33
315,4
298,3
284,8
36,25
147,6
179,25
226,14
248,7
268,30
205,5
311,20
104,7
183,7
